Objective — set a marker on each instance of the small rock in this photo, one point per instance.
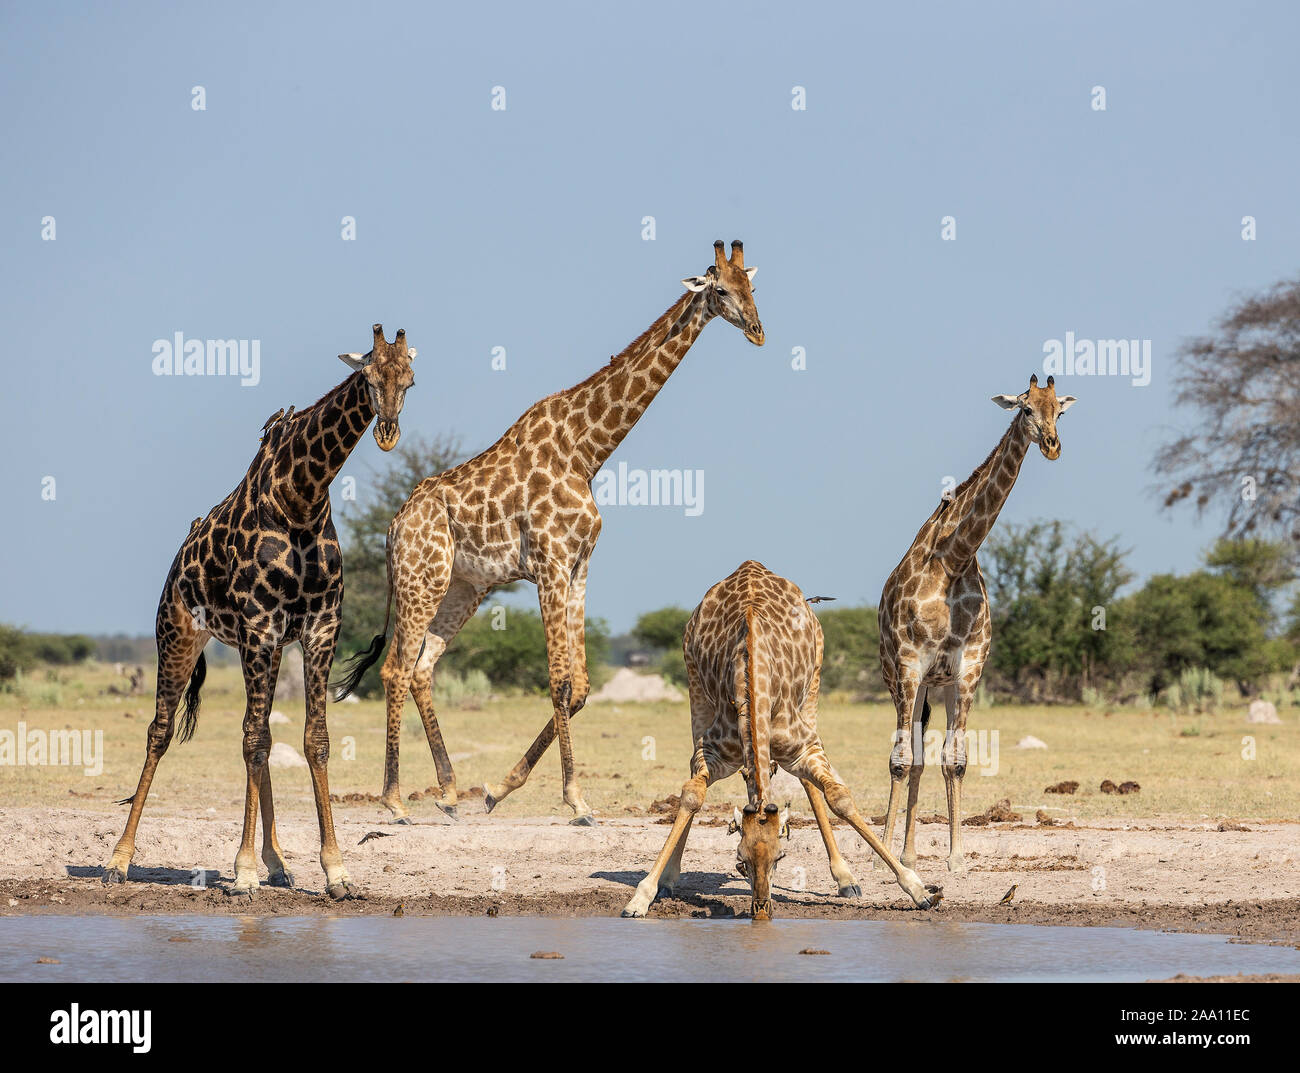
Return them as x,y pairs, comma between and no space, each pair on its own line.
1044,819
1108,787
811,950
48,961
1129,787
1262,711
285,755
1031,742
1062,788
547,955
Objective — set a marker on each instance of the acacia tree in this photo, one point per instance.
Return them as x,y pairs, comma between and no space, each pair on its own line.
364,528
1241,385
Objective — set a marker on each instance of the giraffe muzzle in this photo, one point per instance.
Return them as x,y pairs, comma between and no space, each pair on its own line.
387,434
754,333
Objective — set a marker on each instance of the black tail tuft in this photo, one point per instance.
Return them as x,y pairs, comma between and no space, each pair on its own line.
925,713
357,667
190,716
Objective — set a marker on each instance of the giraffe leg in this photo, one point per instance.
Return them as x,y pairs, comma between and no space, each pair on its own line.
692,798
272,856
460,603
814,766
179,647
576,616
418,598
907,694
256,659
840,872
921,721
953,763
552,593
318,655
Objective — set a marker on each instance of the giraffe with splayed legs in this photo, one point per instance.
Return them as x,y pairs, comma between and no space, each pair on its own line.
264,569
934,613
753,652
524,510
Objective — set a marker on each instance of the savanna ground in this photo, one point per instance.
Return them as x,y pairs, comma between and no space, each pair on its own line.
1210,842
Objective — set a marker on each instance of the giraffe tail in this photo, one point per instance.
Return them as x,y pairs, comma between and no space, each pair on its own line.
190,715
357,666
758,704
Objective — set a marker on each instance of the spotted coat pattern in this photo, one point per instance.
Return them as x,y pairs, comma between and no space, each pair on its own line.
261,570
523,510
934,614
753,651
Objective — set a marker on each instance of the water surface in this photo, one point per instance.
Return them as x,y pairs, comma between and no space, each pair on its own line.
222,948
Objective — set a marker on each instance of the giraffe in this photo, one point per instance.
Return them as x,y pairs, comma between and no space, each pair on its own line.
934,615
753,653
263,569
524,509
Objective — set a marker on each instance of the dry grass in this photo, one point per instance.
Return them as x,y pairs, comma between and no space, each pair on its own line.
631,754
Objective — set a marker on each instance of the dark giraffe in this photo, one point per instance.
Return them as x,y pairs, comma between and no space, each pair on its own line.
263,569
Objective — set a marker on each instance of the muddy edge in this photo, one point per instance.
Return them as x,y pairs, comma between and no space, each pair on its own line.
1240,879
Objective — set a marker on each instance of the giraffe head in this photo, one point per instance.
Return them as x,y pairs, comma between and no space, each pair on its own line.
1039,407
758,852
729,290
387,369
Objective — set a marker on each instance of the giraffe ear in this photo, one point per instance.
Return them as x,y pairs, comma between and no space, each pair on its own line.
784,831
734,826
1007,402
751,272
695,283
411,352
356,362
1066,401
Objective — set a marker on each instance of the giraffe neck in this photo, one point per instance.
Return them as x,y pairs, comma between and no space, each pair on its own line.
308,454
977,503
612,400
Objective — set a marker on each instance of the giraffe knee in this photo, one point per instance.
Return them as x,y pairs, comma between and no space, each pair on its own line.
563,695
839,799
692,798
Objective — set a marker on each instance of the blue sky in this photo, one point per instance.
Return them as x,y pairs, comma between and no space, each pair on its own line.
522,229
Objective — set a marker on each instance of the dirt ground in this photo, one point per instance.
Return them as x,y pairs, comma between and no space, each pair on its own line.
1151,874
1203,839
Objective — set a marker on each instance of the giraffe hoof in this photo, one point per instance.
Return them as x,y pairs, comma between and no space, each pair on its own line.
113,875
489,802
956,864
404,821
585,820
663,892
240,892
280,879
447,810
342,892
851,891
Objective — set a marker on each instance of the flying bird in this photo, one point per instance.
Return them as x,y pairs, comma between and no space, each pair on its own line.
374,834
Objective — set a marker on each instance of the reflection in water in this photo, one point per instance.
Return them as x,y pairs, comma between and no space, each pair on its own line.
440,948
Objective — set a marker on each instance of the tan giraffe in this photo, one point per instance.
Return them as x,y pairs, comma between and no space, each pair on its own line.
262,570
753,653
523,509
934,614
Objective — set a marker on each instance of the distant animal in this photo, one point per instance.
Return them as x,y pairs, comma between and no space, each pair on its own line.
1006,898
